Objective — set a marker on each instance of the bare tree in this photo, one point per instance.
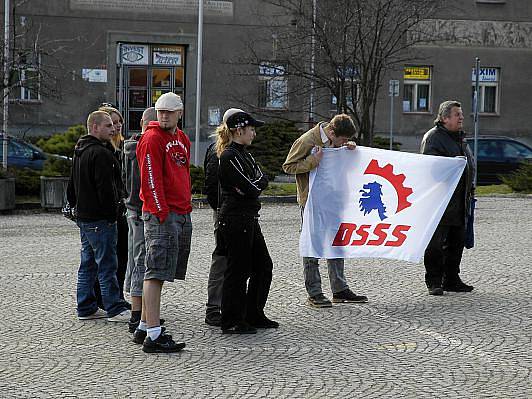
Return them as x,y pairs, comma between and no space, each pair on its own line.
341,50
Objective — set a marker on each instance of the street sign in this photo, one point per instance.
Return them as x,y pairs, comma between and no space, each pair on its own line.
393,88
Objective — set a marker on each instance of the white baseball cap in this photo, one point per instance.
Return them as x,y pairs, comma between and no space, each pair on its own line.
169,102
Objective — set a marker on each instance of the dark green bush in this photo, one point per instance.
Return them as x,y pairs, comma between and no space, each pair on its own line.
271,145
56,167
197,177
27,181
384,143
62,143
521,179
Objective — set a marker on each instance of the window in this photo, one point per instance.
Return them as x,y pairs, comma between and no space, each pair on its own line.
27,75
488,97
417,89
273,86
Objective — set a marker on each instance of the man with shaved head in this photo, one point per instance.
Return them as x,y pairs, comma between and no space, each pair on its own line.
136,244
93,191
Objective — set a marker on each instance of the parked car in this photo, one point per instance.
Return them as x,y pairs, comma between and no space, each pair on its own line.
498,156
21,154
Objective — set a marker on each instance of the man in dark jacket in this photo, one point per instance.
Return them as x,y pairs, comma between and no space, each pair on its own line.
136,244
93,191
444,252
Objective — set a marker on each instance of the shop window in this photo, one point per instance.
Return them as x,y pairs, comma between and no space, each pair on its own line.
417,89
488,96
273,86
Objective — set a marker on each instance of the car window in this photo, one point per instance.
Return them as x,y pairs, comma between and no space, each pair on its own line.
515,150
19,150
489,149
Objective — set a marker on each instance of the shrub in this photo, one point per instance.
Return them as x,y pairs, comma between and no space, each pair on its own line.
271,146
521,179
62,143
27,181
384,143
197,177
56,167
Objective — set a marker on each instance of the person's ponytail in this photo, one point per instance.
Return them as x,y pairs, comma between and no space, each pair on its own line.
223,139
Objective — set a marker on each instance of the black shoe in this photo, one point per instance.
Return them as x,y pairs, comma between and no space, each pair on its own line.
319,301
435,290
263,322
132,325
348,296
458,286
214,319
139,335
241,328
163,344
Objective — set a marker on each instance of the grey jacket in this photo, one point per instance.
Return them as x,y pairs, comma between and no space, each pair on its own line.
442,142
131,172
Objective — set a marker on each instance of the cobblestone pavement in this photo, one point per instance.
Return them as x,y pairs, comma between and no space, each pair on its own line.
403,343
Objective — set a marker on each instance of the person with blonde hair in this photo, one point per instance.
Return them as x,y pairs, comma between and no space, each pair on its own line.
239,234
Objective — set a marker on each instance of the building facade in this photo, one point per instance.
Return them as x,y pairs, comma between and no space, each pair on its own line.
128,52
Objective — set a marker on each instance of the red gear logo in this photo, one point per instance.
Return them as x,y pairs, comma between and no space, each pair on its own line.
396,181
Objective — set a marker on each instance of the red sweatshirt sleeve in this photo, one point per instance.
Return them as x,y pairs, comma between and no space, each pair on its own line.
150,155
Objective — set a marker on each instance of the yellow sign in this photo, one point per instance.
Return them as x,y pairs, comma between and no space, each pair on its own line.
419,73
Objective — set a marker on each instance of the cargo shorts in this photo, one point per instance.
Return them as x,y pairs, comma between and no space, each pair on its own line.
167,246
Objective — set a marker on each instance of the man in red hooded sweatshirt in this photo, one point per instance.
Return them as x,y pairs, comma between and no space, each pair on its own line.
163,153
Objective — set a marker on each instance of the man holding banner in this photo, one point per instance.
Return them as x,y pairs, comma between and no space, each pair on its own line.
300,161
444,251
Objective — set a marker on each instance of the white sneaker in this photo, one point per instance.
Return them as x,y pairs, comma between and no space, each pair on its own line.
99,314
122,317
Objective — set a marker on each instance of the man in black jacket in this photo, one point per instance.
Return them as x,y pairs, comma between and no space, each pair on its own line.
444,252
93,191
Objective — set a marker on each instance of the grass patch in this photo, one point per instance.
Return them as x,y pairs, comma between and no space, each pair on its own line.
494,189
280,189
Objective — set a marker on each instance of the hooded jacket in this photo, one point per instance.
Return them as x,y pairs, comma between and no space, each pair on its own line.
94,181
164,162
442,142
131,174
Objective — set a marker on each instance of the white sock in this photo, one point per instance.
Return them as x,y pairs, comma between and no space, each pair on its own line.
154,332
142,326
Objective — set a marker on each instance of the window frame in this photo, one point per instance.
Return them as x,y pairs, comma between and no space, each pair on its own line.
267,74
415,83
482,89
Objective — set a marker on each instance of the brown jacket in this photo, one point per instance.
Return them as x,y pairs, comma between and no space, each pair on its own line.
300,161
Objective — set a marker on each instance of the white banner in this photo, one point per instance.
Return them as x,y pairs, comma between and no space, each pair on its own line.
376,203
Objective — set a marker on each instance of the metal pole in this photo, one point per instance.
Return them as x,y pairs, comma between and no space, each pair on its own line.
5,108
312,61
391,119
198,81
475,113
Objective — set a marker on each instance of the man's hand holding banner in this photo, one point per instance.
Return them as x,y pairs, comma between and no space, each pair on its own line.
375,203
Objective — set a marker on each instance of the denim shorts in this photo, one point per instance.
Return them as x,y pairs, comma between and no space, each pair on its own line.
167,246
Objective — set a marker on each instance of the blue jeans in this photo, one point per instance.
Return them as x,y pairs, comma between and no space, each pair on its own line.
98,261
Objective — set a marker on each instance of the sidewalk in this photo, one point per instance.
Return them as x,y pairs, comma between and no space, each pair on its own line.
402,344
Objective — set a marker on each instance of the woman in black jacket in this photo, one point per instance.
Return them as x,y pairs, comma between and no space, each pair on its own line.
239,232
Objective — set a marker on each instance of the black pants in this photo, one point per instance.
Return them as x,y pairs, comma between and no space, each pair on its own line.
443,255
247,258
122,255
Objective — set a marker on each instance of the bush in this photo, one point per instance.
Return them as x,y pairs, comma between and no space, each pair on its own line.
521,179
271,146
56,167
197,177
384,143
62,143
27,181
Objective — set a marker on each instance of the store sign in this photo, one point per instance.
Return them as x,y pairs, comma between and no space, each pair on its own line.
160,58
485,75
133,54
417,73
94,75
